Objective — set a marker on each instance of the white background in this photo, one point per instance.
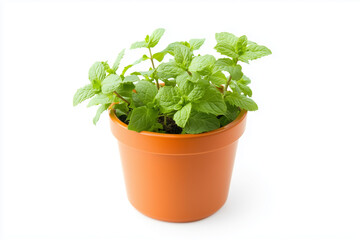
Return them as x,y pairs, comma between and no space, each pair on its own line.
297,169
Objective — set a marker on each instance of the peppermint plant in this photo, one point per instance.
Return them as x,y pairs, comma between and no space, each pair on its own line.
189,93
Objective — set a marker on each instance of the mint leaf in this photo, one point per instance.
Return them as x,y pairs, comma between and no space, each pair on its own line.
195,44
217,78
101,99
241,44
121,109
143,58
232,112
245,80
168,98
125,89
226,49
143,119
245,89
211,102
100,110
97,74
196,93
181,117
202,64
228,65
131,78
141,44
241,101
117,61
110,83
182,55
169,70
155,37
107,67
159,56
169,49
84,93
145,93
228,38
184,84
230,115
254,51
201,122
226,44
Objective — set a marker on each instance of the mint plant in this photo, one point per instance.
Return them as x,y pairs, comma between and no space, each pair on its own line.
190,93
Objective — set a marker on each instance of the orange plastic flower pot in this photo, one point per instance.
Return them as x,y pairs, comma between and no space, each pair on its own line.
178,177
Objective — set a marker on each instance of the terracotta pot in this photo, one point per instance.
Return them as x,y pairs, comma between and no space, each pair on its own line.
178,177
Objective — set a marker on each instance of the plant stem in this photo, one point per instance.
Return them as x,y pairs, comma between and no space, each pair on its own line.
152,62
119,96
226,85
165,120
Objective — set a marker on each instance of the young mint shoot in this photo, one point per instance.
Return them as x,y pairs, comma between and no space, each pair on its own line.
188,94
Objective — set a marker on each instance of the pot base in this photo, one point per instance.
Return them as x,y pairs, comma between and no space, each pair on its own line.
184,220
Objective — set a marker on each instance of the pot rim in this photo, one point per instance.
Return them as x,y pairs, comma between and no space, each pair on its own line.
227,127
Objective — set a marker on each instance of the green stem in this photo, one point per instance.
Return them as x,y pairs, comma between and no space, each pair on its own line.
226,85
152,62
119,96
165,120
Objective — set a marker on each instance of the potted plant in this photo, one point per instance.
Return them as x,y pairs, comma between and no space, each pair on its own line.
177,123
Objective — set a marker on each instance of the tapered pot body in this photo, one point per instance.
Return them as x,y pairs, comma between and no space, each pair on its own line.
178,177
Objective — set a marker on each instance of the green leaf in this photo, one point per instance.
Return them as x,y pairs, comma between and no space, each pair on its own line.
245,80
84,93
226,44
217,78
117,61
101,99
125,89
169,49
241,101
202,64
141,44
121,109
131,78
143,119
232,112
226,49
241,45
182,55
228,65
223,63
97,74
245,89
155,37
167,98
195,44
211,102
100,110
196,93
228,38
159,56
143,58
185,85
110,83
145,93
169,70
181,117
230,115
201,122
254,51
107,67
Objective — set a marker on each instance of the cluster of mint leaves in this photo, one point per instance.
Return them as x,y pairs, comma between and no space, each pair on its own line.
198,92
